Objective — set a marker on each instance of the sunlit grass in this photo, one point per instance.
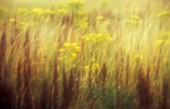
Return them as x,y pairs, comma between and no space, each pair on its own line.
85,54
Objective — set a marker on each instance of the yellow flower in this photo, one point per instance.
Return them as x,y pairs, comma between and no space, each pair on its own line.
37,11
73,54
97,38
95,66
67,44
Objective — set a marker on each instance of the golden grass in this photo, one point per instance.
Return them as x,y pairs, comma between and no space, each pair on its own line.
86,54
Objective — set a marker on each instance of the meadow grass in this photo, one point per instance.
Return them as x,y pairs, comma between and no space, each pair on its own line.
92,54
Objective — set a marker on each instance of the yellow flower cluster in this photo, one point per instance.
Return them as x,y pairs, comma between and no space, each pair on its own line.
97,37
69,50
95,66
38,11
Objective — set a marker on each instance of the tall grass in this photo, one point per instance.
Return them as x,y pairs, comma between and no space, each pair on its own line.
76,54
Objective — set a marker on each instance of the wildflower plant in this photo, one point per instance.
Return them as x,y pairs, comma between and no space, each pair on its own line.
69,52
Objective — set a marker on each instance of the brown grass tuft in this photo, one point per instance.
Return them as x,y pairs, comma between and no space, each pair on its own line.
165,92
2,51
143,91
